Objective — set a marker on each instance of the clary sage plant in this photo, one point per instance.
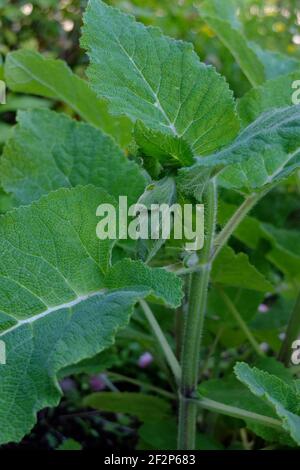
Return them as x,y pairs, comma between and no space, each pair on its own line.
156,125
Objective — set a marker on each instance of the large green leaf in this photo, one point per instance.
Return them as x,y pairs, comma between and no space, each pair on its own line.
53,311
236,270
53,243
157,80
282,397
267,151
49,150
39,348
276,93
29,72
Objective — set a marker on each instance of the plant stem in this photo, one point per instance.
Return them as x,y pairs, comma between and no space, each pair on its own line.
234,222
178,328
193,329
238,413
242,324
169,355
292,333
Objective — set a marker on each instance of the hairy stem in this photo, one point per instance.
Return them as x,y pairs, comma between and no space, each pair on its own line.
166,348
292,333
190,356
178,328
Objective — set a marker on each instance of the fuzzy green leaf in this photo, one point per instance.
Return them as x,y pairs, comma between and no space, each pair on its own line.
276,93
283,398
234,394
38,349
165,286
155,79
169,150
235,400
48,150
267,151
53,311
29,72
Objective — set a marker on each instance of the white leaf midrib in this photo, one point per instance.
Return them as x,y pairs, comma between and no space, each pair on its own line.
50,310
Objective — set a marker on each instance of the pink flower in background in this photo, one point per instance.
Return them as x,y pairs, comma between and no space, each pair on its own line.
145,360
67,385
97,382
263,308
282,336
264,347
